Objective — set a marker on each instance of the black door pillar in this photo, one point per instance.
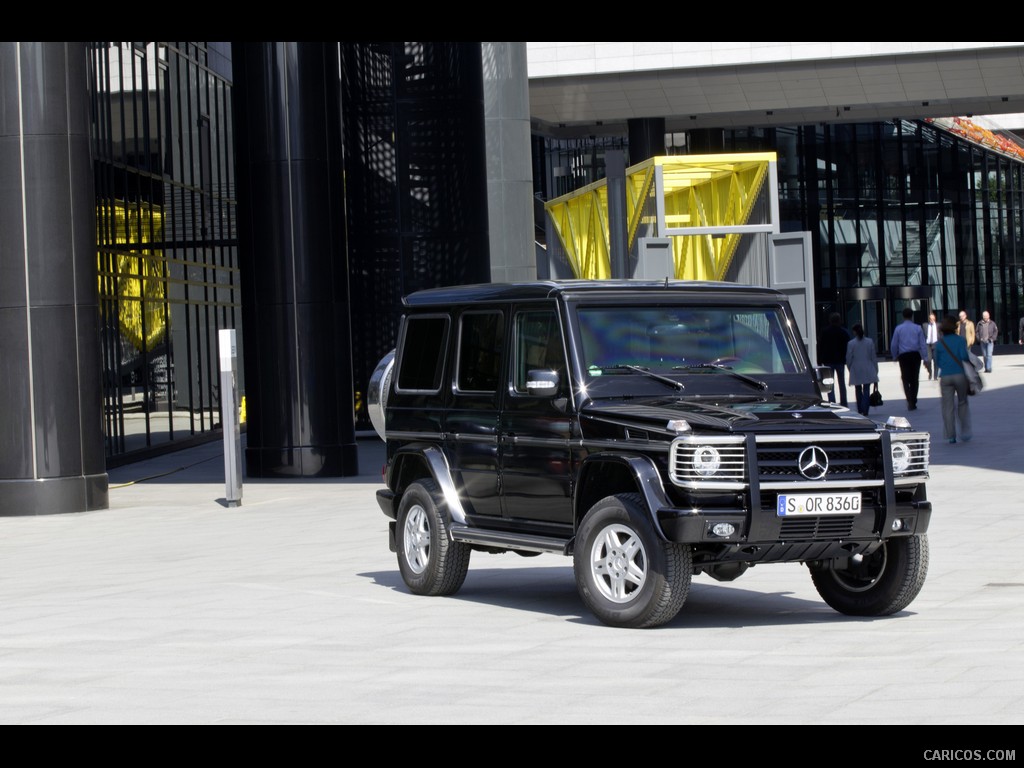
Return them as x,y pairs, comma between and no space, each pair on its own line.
51,419
295,303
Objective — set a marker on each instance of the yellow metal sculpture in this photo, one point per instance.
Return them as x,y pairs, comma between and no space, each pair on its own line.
132,279
581,221
700,192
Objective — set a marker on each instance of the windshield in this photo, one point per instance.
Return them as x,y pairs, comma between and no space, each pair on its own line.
679,341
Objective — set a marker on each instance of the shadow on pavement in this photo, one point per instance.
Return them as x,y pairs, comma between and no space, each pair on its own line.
552,591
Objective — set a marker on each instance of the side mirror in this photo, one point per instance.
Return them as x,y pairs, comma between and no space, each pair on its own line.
826,380
542,383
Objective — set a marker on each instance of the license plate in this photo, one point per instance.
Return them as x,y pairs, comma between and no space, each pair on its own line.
796,504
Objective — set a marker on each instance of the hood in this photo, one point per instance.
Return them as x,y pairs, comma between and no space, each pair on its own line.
769,413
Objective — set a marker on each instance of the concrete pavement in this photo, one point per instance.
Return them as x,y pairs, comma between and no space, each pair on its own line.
171,608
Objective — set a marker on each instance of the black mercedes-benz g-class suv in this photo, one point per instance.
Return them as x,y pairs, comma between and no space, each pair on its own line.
652,431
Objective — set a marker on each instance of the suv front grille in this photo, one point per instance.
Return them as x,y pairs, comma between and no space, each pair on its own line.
847,462
853,460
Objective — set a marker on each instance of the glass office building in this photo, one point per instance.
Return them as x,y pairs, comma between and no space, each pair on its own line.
904,213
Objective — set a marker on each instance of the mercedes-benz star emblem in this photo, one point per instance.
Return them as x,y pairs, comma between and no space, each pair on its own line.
813,463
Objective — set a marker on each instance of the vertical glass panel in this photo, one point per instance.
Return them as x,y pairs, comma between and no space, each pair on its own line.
154,255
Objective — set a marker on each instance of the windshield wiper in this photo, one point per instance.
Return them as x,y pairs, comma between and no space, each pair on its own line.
637,369
724,369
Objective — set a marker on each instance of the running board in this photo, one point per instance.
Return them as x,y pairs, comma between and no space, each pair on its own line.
506,540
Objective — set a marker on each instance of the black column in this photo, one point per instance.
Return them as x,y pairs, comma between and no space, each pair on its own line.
706,141
646,138
295,303
51,425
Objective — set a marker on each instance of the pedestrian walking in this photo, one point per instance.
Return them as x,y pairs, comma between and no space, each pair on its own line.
986,331
965,328
832,353
1020,332
951,357
931,338
909,350
862,360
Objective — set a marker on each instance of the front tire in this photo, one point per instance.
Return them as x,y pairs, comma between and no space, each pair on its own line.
880,584
627,575
430,562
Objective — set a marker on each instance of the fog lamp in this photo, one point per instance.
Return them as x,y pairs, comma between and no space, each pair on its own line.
898,525
723,530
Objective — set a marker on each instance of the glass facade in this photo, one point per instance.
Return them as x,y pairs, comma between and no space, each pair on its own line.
905,213
415,183
166,241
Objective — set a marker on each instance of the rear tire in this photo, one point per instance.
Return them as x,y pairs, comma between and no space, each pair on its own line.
430,562
627,575
880,584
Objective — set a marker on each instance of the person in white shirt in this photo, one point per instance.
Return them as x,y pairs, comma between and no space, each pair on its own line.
931,338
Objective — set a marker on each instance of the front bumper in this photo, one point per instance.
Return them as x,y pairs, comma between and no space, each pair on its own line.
765,537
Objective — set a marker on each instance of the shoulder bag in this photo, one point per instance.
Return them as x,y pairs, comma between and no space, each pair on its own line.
974,381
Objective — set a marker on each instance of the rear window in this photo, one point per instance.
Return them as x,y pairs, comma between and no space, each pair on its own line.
421,365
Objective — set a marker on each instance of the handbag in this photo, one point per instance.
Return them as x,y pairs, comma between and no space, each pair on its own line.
974,381
876,397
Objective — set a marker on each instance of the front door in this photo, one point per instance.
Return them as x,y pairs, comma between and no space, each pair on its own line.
536,429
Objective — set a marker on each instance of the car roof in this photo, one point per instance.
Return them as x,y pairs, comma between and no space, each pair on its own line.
549,289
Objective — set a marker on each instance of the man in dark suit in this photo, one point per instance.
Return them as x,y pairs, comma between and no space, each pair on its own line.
832,352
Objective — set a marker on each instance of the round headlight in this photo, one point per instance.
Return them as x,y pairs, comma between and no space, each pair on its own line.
900,457
706,460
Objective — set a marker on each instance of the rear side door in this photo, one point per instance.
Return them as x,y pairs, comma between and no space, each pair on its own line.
471,421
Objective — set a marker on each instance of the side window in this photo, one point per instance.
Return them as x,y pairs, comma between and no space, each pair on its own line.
538,341
422,354
481,341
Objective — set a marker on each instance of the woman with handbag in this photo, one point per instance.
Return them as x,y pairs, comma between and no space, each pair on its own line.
950,358
862,362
